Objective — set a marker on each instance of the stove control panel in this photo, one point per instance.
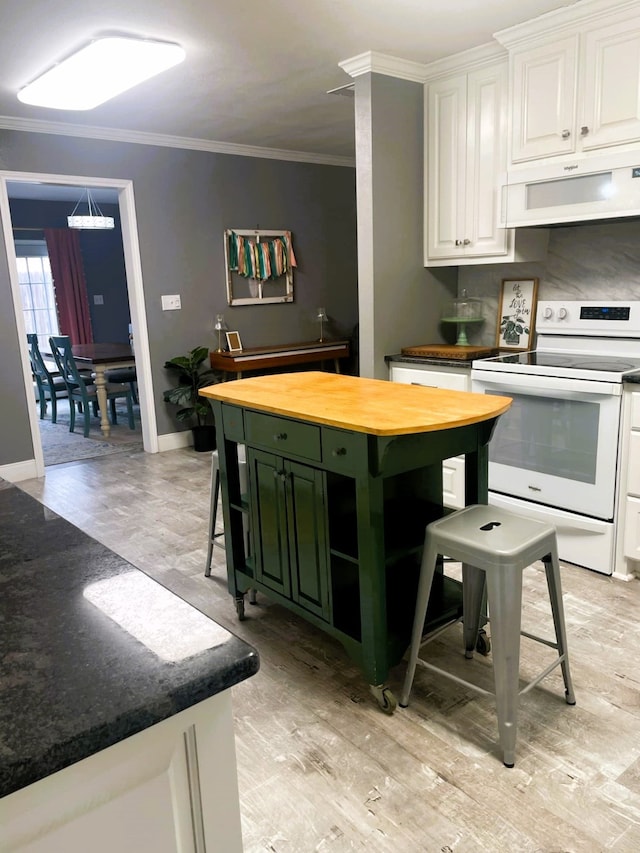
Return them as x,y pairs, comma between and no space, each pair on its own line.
589,317
604,312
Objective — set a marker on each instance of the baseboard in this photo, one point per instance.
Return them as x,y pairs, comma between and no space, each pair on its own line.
175,440
17,471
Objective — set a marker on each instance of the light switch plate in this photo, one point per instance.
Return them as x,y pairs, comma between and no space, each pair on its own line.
98,299
171,303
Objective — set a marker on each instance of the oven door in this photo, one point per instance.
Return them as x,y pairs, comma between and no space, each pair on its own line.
558,443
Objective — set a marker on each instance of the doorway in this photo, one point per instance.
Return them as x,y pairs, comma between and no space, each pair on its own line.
48,186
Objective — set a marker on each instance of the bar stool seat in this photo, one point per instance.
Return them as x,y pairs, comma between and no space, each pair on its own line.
495,545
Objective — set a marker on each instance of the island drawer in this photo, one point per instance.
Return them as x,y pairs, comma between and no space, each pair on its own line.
344,452
283,435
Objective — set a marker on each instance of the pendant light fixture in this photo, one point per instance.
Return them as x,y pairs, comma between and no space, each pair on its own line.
100,71
93,220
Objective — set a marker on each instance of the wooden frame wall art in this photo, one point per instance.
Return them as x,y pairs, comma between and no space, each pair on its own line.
258,266
517,314
233,341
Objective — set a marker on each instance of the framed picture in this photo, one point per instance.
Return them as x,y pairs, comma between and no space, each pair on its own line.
517,313
233,341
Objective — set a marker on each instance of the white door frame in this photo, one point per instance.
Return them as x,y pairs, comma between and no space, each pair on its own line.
133,268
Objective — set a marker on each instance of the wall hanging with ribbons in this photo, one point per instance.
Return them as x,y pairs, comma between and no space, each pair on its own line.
259,266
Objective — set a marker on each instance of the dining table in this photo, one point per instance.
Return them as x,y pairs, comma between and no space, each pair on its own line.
101,357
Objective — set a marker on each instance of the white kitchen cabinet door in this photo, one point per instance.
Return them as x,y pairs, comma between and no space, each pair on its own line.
610,107
543,100
465,154
446,136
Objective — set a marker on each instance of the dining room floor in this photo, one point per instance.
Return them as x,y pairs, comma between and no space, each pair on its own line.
59,445
320,767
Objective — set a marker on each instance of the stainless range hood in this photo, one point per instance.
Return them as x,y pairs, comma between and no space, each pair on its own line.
585,189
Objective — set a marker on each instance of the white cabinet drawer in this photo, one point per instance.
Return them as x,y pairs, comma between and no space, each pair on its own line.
633,470
632,529
455,379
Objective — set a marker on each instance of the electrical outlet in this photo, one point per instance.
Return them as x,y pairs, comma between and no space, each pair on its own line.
98,299
171,303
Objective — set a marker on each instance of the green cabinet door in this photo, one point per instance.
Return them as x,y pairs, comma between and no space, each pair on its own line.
289,530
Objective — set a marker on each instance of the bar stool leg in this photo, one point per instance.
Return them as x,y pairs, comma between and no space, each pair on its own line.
505,604
552,569
473,585
213,509
427,571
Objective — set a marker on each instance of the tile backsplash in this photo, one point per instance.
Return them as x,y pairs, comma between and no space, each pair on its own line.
599,261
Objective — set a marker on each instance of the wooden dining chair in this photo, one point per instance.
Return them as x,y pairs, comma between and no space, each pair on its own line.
78,391
49,387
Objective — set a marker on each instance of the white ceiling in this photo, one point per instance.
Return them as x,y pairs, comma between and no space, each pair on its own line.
256,73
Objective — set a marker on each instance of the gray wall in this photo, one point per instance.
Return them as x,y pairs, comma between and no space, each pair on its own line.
184,201
400,300
599,261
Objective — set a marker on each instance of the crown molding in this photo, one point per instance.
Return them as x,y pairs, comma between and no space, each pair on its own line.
380,63
167,141
470,60
566,20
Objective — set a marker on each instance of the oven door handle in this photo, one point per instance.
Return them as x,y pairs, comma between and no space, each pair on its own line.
553,385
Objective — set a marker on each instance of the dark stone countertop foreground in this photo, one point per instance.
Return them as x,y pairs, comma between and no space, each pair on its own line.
75,680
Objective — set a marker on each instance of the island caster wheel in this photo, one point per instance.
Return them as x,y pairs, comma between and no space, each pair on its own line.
240,608
483,643
384,697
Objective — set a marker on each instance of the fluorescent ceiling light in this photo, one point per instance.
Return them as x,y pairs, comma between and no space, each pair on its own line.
101,70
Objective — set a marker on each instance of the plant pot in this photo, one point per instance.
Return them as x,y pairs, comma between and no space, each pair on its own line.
204,438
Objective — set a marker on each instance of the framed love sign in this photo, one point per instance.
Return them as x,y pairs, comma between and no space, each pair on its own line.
516,313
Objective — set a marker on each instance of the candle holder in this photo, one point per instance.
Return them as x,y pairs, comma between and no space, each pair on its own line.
321,317
220,327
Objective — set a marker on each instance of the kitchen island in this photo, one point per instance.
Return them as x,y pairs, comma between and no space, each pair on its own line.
343,475
116,728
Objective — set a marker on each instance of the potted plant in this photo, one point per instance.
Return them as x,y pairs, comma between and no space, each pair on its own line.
192,375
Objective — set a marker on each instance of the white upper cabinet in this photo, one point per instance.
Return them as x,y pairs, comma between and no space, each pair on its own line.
574,81
465,133
465,153
610,108
543,100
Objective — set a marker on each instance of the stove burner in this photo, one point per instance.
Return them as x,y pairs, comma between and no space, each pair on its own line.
610,364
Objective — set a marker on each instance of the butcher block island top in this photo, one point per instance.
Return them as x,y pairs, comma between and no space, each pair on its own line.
373,406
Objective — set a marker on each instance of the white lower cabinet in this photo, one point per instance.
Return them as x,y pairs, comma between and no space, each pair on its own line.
455,379
631,450
171,788
627,547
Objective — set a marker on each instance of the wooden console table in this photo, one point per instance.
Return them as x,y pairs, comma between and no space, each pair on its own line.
281,356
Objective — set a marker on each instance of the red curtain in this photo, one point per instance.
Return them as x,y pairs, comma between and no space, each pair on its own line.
69,283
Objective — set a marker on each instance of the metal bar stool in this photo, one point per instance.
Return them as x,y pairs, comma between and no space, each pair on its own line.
496,545
213,508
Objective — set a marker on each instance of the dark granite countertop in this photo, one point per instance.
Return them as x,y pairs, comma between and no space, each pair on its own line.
632,378
92,650
435,362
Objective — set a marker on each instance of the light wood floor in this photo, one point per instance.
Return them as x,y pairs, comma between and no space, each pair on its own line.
321,768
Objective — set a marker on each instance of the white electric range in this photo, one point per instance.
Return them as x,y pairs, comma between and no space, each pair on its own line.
554,454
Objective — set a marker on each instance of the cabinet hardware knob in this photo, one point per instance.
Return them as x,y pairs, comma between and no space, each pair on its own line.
339,451
566,134
280,436
466,242
584,130
458,242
